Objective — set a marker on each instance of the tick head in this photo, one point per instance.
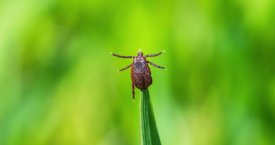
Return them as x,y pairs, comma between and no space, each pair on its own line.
140,53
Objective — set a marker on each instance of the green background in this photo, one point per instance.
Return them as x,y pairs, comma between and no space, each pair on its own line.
59,84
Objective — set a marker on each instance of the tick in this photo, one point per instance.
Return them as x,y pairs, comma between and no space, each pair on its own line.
140,70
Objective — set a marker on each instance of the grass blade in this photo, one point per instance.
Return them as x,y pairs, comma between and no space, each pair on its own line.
149,131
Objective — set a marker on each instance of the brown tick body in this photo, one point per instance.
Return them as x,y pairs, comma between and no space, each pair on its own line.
140,70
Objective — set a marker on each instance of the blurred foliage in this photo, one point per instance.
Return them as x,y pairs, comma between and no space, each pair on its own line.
148,127
59,84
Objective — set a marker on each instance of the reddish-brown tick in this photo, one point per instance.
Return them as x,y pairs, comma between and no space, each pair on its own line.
140,71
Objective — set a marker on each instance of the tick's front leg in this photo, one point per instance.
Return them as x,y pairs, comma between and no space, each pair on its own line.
120,56
153,55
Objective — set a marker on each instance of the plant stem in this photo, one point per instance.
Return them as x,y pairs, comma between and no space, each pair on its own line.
149,131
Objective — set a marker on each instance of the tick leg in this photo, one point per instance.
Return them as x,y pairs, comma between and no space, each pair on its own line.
120,56
153,55
125,68
157,66
133,90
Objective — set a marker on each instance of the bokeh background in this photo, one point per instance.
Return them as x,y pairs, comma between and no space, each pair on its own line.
59,84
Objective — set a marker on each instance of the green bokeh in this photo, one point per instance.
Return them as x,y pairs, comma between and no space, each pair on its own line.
59,86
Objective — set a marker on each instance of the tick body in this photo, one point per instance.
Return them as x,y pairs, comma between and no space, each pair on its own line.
140,70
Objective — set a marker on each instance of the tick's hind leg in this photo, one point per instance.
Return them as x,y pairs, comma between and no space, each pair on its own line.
153,55
125,68
155,65
120,56
133,90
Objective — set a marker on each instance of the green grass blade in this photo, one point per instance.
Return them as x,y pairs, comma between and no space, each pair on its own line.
149,131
